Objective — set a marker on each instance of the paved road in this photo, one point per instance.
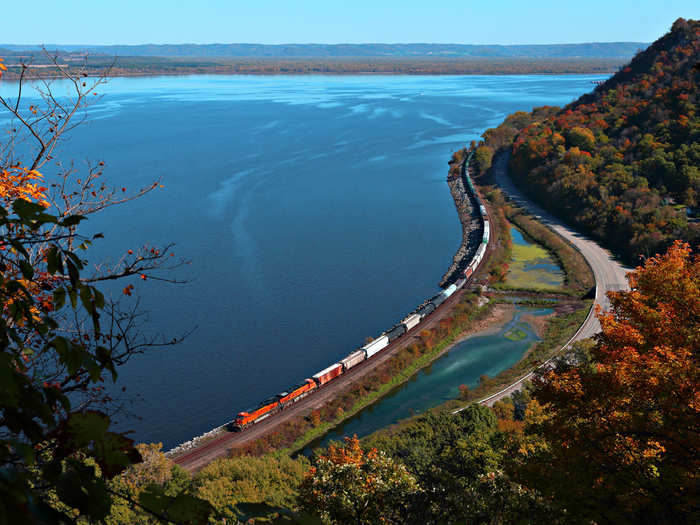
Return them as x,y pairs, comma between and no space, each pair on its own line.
608,272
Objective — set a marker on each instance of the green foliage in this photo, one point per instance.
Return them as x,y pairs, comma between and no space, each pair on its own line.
58,450
350,485
48,441
239,488
458,462
482,157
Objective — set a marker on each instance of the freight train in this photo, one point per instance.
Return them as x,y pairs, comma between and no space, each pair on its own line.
285,399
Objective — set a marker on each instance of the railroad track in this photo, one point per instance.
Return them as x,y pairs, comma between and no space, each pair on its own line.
608,273
218,446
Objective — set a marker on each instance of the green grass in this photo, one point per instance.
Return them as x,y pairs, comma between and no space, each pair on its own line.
578,276
523,274
515,334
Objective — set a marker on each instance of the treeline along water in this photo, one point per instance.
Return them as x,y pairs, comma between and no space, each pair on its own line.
314,212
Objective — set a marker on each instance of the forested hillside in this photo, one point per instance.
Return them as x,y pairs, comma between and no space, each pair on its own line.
623,162
589,50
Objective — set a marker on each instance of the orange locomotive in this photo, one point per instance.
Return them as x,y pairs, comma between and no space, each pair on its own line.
266,409
297,393
285,399
274,405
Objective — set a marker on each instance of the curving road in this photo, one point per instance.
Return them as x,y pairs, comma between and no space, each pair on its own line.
609,274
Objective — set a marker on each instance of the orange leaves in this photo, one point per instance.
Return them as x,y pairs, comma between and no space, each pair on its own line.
128,289
21,183
349,454
632,407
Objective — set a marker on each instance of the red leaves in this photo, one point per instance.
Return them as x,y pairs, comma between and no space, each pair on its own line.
128,289
630,407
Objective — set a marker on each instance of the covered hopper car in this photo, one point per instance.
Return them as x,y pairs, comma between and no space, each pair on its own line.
353,359
411,321
375,346
426,310
450,290
438,299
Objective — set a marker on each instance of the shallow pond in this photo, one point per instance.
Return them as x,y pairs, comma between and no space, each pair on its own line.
482,353
532,266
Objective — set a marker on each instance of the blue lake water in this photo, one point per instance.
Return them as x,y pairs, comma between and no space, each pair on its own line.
313,210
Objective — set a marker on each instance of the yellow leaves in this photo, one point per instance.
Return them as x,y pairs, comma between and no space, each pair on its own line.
22,183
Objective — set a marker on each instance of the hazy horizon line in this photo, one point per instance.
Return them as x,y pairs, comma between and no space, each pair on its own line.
324,44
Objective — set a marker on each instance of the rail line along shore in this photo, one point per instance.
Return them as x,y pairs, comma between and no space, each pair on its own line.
470,254
467,205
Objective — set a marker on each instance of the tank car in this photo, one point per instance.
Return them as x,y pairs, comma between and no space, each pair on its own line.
396,332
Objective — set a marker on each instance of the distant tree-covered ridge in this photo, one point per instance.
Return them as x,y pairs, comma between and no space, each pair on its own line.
623,162
589,50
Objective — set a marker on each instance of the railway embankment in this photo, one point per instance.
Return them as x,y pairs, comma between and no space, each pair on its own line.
364,385
467,211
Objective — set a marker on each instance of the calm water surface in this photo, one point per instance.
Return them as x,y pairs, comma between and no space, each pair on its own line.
313,210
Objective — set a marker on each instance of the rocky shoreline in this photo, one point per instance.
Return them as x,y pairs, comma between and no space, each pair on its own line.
469,217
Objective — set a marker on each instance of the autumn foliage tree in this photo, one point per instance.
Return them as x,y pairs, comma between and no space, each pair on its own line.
619,439
622,163
62,340
349,485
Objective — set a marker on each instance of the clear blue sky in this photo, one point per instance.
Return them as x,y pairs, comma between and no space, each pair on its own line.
339,21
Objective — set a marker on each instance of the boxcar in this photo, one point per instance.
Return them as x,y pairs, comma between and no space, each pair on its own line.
353,359
375,346
328,374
